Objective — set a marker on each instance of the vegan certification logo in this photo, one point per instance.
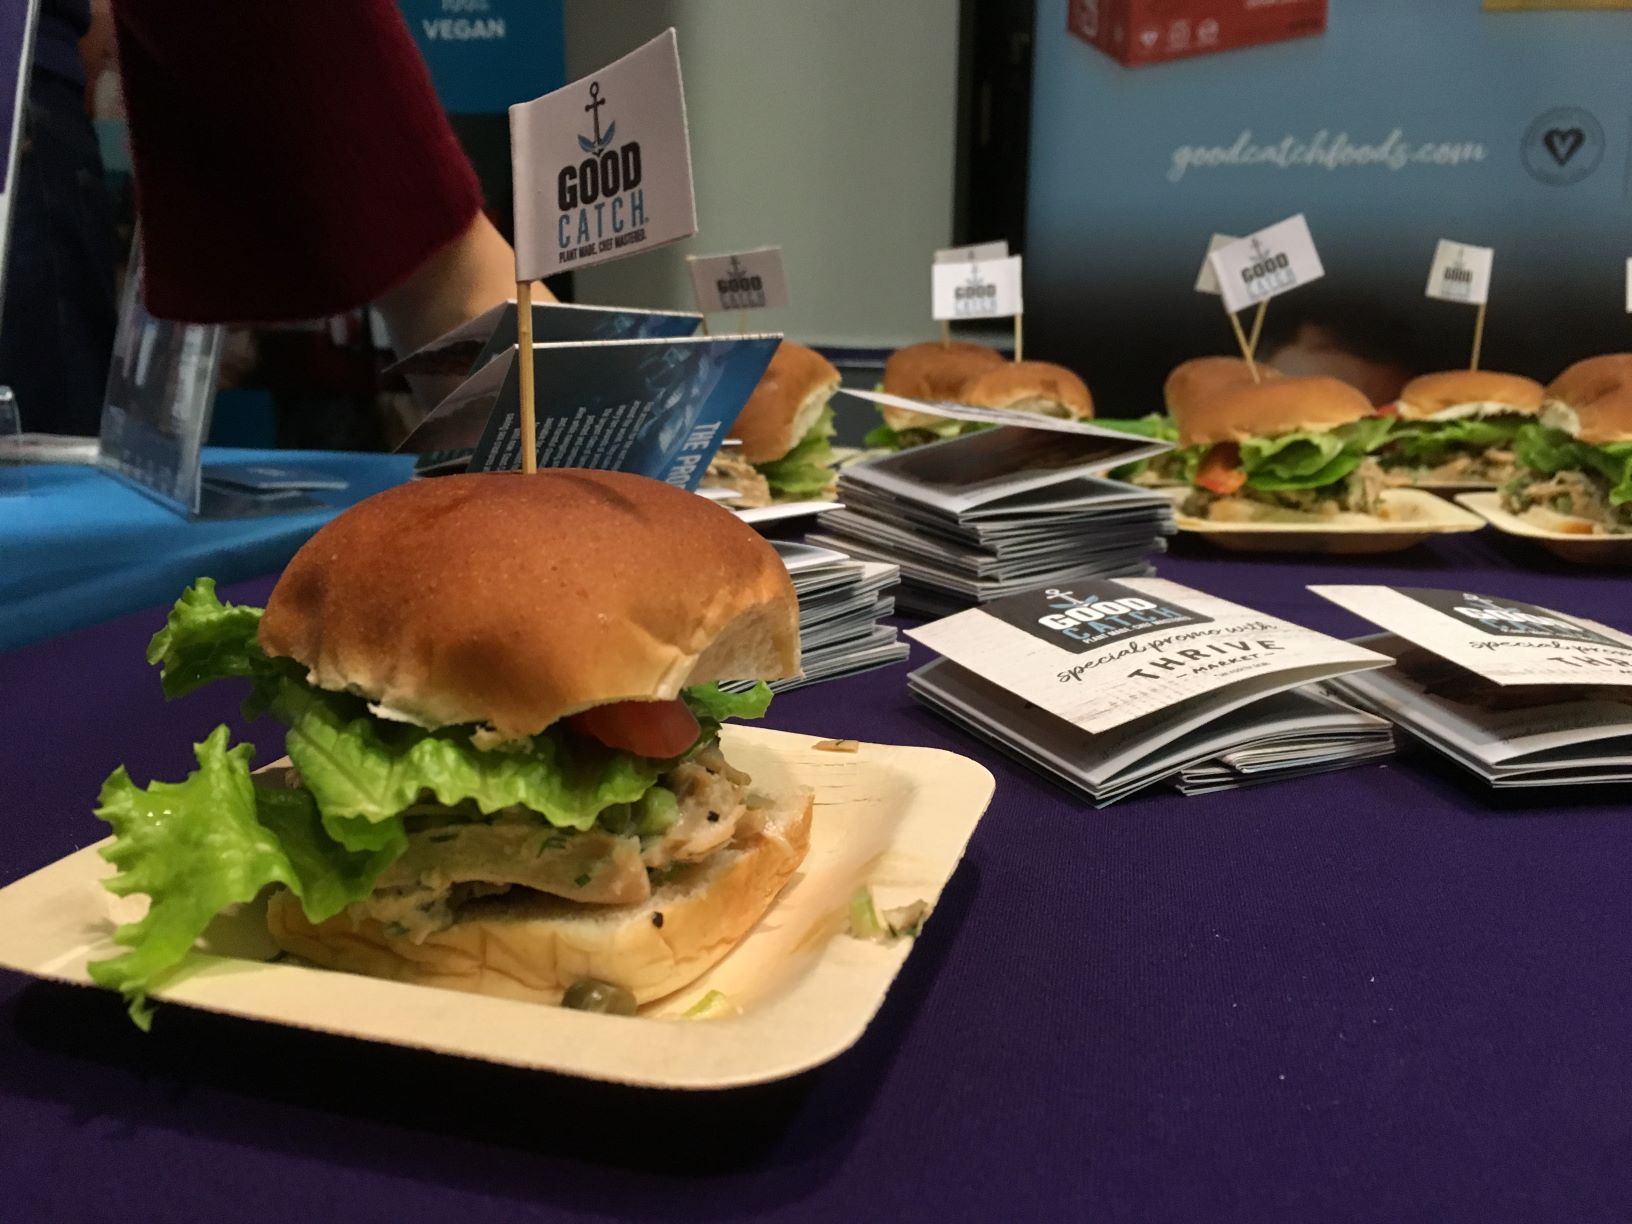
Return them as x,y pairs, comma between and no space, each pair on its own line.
1563,146
1269,272
739,290
600,199
1083,623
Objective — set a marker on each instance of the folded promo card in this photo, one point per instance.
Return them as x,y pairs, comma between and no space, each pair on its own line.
474,343
1028,451
1107,652
657,408
1502,641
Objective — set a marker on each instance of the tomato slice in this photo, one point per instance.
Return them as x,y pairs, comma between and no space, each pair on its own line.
1392,410
1221,471
659,729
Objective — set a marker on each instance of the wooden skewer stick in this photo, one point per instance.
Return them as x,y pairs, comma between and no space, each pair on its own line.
524,352
1019,337
1241,339
1478,337
946,334
706,332
1257,329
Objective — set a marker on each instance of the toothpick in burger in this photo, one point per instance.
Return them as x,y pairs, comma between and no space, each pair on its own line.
1285,448
505,772
1459,426
1573,467
784,431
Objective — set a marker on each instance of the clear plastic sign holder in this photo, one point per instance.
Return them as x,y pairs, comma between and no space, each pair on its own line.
13,473
156,415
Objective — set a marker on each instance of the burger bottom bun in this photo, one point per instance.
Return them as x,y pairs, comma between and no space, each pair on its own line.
533,947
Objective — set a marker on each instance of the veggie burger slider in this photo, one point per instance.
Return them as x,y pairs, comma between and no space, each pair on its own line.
1460,425
1019,386
929,371
1284,445
1573,468
784,431
503,731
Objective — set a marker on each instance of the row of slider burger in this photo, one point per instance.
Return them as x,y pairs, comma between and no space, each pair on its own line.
503,727
783,449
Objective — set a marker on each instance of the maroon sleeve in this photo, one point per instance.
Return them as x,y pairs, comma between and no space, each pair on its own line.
291,158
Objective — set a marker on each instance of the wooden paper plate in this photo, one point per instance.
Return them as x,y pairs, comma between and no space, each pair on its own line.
1583,549
1413,516
799,989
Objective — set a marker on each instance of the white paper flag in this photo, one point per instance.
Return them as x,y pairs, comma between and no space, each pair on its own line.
1266,264
982,289
1207,279
747,280
964,254
602,167
1460,273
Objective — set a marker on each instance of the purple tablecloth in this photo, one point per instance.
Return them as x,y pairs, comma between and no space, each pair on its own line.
1378,995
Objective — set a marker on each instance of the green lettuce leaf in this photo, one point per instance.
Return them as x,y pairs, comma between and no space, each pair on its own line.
808,467
204,639
364,771
710,703
1427,443
1309,459
198,846
882,437
1155,425
1550,451
1178,465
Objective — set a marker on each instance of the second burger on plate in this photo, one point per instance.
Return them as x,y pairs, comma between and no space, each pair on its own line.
1458,427
1290,449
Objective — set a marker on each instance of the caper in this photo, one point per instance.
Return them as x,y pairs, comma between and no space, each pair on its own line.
592,995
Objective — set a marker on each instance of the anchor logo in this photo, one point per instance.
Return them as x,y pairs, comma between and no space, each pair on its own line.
594,144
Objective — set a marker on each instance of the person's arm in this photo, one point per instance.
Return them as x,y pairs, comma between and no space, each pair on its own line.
292,161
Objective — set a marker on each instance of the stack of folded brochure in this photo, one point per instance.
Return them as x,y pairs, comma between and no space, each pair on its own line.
841,604
1519,695
1110,687
988,514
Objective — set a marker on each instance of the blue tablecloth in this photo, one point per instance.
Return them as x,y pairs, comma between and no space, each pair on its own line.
81,546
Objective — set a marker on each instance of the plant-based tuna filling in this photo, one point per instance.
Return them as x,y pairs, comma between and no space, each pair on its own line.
1560,473
1579,494
456,856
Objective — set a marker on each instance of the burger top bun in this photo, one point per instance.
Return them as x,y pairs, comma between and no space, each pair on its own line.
1031,386
1593,399
1194,381
1278,405
514,600
933,371
790,396
1434,395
